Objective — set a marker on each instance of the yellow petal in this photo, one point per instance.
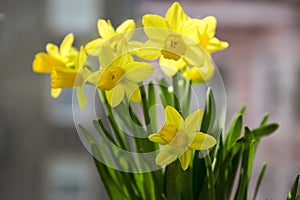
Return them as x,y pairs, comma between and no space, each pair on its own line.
199,74
167,155
44,63
173,117
185,159
81,58
81,97
215,44
202,141
55,92
66,44
132,91
115,95
211,24
105,29
175,16
126,28
155,137
188,28
192,122
194,55
94,78
138,71
155,27
150,50
93,47
52,49
170,67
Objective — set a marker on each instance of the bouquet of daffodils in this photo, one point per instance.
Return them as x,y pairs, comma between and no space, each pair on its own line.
156,130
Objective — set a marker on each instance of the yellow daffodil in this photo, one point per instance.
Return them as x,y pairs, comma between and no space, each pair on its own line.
117,39
62,77
206,38
63,57
206,35
120,78
180,137
173,39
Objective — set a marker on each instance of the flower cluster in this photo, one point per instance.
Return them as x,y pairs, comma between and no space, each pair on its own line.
181,43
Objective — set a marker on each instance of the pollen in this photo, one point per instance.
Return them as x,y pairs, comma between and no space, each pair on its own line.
110,77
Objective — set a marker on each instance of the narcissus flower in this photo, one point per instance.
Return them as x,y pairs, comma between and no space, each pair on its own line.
62,77
117,39
120,78
173,39
180,137
206,29
63,57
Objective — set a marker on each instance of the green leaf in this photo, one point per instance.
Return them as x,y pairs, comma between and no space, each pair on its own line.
209,112
260,178
293,192
152,102
265,130
265,120
165,94
234,131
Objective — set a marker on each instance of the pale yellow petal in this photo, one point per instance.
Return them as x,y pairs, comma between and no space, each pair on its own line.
188,28
211,24
132,90
81,58
203,141
105,29
126,28
170,67
115,96
199,74
155,27
66,44
52,50
215,44
93,47
167,155
138,71
192,122
55,92
94,78
150,50
194,55
136,96
185,159
155,137
175,16
81,97
173,117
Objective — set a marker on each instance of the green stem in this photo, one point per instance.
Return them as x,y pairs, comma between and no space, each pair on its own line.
176,92
210,176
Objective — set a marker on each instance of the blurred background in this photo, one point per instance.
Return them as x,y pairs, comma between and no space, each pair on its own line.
41,155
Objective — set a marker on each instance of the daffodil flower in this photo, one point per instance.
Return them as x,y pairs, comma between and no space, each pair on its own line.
206,39
63,57
173,39
62,77
206,29
180,138
120,78
117,39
